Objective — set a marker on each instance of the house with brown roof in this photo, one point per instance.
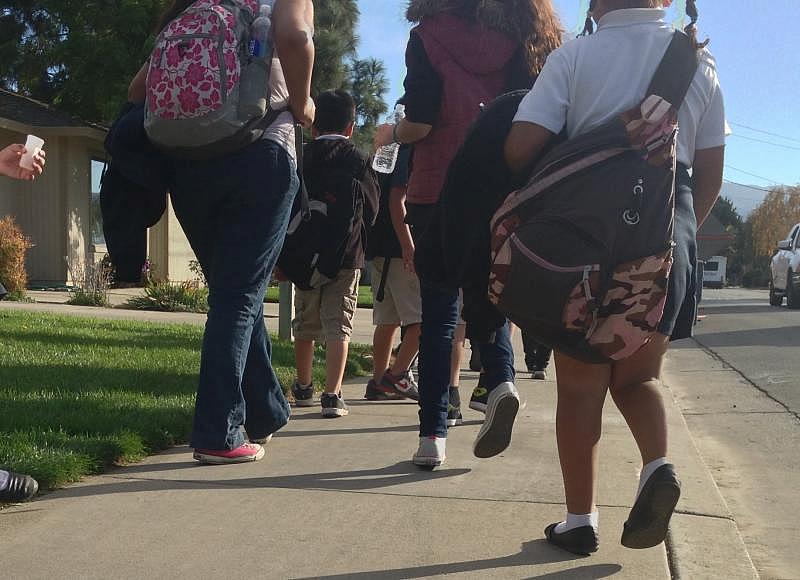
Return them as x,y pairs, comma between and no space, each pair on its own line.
60,211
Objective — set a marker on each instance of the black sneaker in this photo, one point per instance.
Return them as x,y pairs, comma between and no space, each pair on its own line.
479,398
454,408
19,488
402,385
333,406
375,393
303,396
581,541
502,404
649,517
539,374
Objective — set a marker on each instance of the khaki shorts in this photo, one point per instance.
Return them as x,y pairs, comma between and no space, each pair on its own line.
326,313
402,304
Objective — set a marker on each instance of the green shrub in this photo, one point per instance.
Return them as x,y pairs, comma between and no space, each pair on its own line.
82,297
13,245
92,281
165,296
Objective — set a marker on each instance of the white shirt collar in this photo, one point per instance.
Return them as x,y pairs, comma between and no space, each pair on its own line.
628,16
331,137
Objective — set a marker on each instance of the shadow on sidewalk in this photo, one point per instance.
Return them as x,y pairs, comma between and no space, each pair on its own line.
533,552
353,481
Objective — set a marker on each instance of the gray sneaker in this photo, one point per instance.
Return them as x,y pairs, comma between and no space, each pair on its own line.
303,396
501,410
333,406
430,452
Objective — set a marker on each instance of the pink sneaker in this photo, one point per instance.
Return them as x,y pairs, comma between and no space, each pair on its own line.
242,454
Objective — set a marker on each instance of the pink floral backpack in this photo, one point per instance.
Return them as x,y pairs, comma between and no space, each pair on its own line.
581,255
206,96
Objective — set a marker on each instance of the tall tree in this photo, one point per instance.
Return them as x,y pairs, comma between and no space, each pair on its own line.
80,55
77,55
367,83
774,217
335,42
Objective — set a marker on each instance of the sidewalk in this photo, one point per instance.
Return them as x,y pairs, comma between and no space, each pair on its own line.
340,499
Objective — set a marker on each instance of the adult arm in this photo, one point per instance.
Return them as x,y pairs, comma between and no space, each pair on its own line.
706,180
137,90
294,25
422,98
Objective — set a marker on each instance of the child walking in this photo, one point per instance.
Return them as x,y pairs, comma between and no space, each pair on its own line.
583,85
338,175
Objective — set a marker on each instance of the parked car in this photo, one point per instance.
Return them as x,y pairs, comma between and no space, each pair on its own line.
785,271
715,272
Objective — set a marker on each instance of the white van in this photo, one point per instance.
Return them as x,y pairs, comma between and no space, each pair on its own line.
714,272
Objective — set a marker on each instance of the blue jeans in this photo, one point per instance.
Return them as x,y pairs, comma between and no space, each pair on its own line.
235,211
439,319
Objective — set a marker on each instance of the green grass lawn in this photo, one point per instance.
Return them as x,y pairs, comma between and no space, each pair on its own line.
364,296
79,394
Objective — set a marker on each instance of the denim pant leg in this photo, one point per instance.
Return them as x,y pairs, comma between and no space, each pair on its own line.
497,358
235,212
439,319
260,386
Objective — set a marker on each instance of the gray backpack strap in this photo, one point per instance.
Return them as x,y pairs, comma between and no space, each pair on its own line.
675,73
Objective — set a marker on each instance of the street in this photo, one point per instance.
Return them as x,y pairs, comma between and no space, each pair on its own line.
742,410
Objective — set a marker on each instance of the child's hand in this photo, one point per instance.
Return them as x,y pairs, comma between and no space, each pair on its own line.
9,163
408,257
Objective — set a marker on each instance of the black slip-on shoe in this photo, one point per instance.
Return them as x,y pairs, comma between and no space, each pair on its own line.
19,488
581,541
649,518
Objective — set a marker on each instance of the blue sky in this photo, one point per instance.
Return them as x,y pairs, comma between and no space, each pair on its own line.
757,47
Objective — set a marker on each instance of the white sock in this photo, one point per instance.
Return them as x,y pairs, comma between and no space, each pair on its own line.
576,521
648,470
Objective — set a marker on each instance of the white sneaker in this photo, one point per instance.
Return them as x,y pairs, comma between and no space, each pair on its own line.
494,436
430,452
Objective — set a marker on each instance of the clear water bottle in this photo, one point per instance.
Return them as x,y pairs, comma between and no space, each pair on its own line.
254,83
259,33
386,156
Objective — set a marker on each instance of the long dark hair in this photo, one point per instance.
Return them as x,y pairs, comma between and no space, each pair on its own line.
532,23
171,12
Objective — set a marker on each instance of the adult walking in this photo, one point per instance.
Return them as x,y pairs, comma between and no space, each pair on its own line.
234,210
461,54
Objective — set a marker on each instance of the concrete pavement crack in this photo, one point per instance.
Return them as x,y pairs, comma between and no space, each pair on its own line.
714,354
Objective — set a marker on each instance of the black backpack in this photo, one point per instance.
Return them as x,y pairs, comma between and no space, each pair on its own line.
323,222
581,255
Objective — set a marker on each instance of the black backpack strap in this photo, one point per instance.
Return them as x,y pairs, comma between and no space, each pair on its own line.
676,71
305,203
387,262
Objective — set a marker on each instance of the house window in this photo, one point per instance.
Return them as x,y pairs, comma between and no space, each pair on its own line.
98,238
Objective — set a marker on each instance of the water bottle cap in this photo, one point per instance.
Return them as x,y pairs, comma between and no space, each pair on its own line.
265,10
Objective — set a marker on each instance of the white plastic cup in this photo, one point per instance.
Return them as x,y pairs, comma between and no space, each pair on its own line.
33,145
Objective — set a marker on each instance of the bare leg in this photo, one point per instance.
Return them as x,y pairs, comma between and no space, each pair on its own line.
382,341
304,359
581,394
457,355
408,350
635,385
335,360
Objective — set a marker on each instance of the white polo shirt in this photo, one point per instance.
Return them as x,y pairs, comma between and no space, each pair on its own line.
590,80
